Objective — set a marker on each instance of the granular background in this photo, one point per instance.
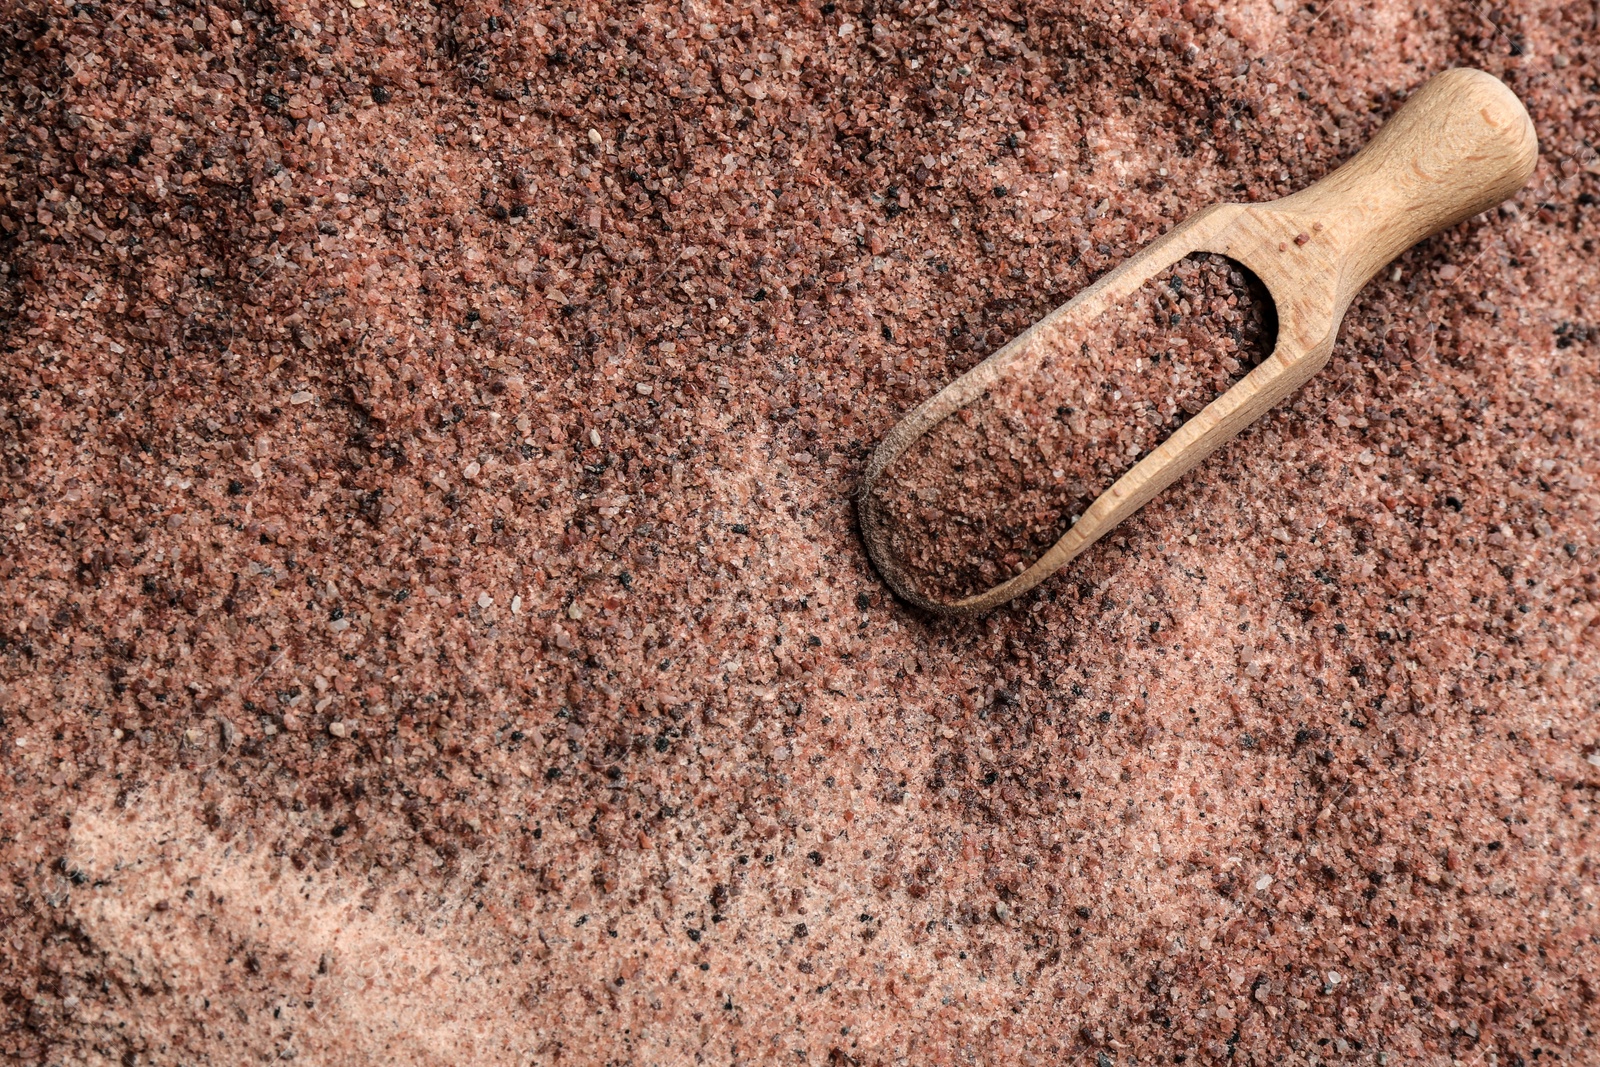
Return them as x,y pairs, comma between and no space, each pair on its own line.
433,625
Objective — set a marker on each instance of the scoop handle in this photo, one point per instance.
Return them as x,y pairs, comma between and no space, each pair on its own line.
1460,145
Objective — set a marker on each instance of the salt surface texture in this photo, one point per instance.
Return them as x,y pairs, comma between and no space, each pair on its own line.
321,323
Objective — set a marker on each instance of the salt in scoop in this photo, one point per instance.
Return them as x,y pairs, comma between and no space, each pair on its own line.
1461,144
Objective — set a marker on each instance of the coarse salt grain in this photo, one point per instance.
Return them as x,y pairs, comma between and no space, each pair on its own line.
301,397
485,600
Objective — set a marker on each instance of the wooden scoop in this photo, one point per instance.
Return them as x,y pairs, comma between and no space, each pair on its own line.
1463,143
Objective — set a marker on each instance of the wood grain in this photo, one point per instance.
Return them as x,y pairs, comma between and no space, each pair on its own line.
1461,144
